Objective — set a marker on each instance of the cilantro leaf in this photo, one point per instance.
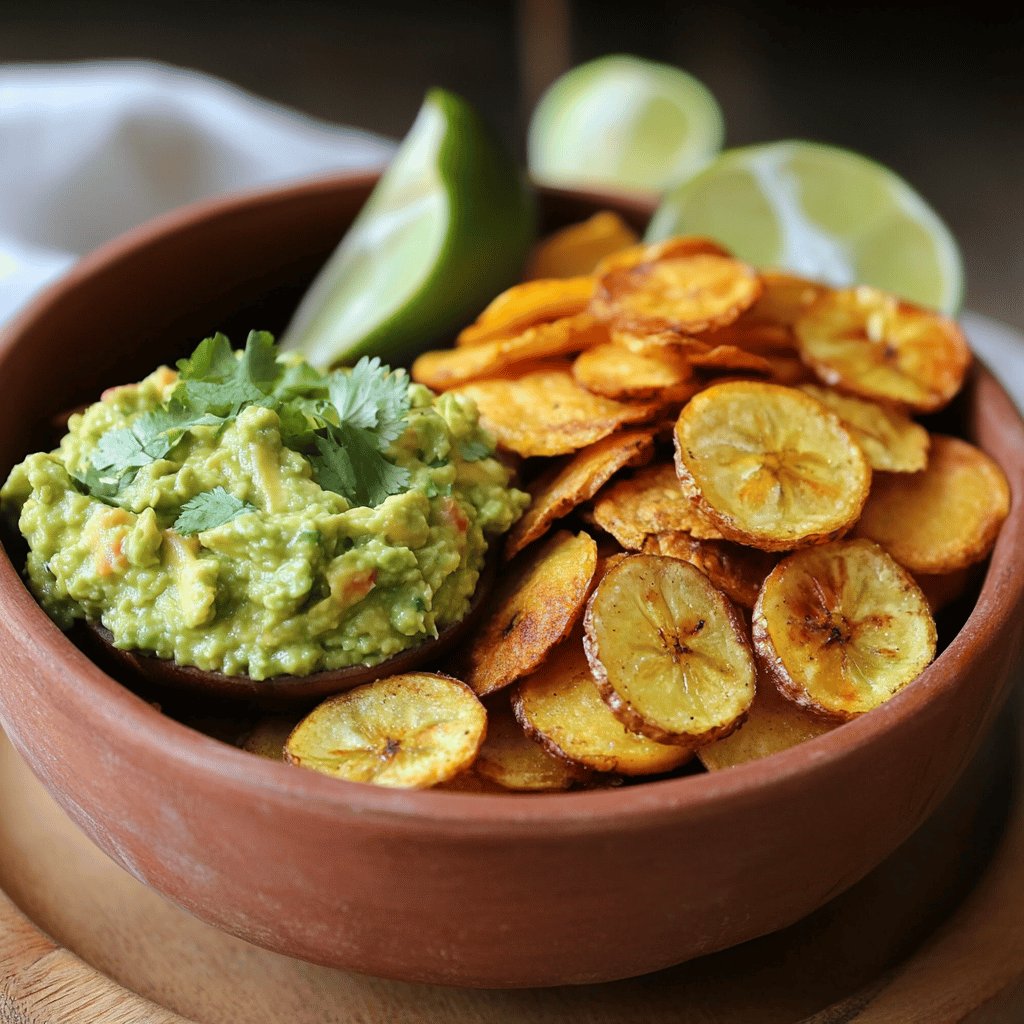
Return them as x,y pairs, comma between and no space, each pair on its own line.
214,381
350,463
210,509
473,449
372,396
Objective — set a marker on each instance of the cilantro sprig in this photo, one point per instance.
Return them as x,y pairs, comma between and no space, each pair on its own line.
209,510
344,422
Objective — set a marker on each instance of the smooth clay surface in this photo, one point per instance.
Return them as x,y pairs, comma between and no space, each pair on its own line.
444,887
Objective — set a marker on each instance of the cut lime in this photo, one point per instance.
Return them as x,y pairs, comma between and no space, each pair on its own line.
625,123
447,227
823,213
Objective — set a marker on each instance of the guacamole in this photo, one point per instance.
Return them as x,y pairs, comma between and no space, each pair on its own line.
249,515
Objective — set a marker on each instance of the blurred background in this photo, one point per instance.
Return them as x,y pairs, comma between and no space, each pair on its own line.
935,93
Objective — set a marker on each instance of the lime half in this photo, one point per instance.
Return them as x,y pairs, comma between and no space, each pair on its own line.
823,213
624,123
447,227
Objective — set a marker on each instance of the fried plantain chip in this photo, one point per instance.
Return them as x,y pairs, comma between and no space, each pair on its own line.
891,440
789,370
577,249
545,412
841,628
668,651
559,706
269,735
875,345
736,570
526,305
557,492
770,466
943,518
652,343
531,612
652,501
618,372
518,762
667,249
768,325
729,357
447,368
687,295
409,731
772,725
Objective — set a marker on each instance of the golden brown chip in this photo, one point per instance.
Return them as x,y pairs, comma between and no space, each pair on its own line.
668,651
875,345
557,492
447,368
525,305
532,611
518,762
269,735
577,249
652,501
653,252
408,731
729,357
891,440
560,706
784,299
772,725
617,372
841,628
546,412
736,570
687,295
789,370
770,466
943,518
651,343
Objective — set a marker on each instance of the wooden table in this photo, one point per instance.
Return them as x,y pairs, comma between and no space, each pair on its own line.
933,936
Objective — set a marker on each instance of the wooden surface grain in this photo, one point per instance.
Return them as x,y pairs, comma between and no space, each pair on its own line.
934,936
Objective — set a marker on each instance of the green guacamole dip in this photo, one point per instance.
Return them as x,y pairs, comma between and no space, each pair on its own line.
231,550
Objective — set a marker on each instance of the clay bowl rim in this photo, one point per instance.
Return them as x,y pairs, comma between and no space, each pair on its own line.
106,706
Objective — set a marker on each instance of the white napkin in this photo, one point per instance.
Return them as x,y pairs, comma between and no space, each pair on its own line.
89,150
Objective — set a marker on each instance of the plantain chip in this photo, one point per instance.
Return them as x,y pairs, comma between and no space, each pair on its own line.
770,466
447,368
269,735
577,249
618,372
650,502
532,611
667,249
729,357
875,345
653,343
944,518
545,412
557,492
559,706
526,305
789,370
409,731
891,440
518,762
668,651
772,725
688,295
736,570
841,628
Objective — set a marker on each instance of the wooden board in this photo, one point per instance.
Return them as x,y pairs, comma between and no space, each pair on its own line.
934,936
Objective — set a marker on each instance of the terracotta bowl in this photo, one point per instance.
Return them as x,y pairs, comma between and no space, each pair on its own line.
430,886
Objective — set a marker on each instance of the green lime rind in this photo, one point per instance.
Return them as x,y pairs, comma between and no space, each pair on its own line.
822,212
447,227
625,123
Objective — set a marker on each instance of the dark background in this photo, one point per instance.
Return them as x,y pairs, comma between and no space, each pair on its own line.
935,92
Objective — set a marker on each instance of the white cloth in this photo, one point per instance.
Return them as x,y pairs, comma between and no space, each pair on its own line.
89,150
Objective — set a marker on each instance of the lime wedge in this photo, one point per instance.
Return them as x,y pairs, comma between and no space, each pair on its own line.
820,212
447,227
624,123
